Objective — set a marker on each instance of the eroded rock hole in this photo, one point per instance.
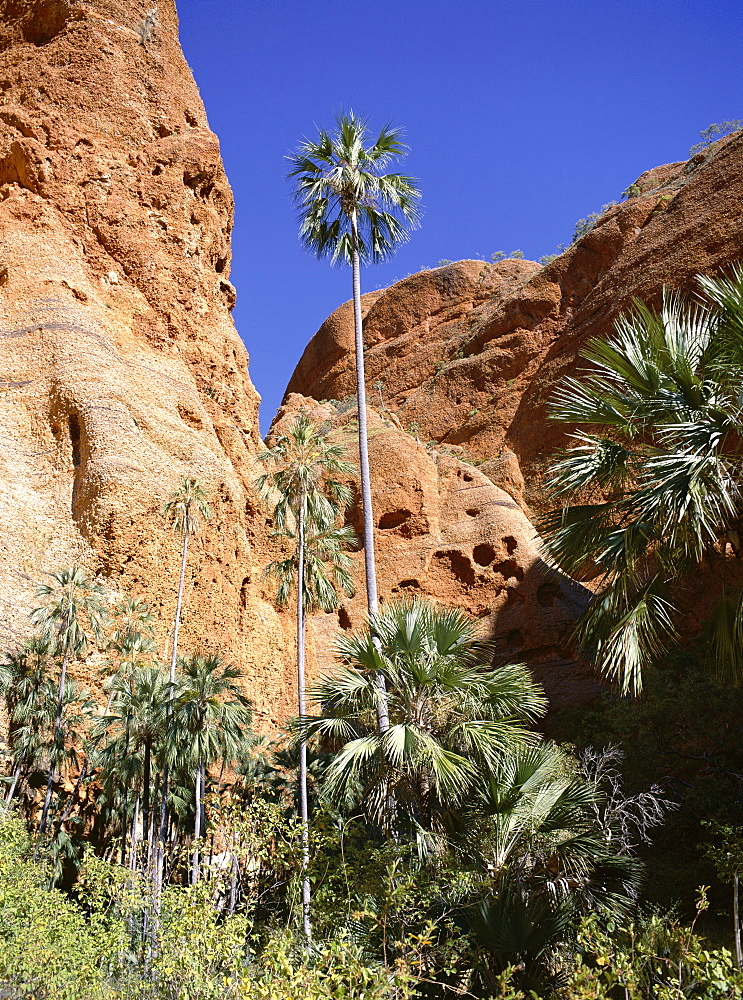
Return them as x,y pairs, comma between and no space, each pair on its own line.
483,554
509,569
511,544
547,593
344,619
409,585
73,424
515,638
458,565
244,593
393,518
472,512
49,19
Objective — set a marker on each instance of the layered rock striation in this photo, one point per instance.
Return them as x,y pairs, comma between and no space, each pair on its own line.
121,371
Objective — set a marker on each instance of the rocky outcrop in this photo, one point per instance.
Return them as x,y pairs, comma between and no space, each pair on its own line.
443,530
120,367
469,354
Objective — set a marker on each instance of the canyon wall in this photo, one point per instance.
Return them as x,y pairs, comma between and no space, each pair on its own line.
121,371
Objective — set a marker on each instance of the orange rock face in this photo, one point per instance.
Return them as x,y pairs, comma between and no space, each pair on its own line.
469,353
443,530
120,368
466,356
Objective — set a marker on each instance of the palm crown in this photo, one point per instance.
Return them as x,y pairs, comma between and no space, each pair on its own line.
345,200
451,714
663,407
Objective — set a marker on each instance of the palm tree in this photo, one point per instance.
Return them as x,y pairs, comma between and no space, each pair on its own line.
210,717
352,212
136,725
659,458
538,830
452,716
185,510
72,611
308,504
30,701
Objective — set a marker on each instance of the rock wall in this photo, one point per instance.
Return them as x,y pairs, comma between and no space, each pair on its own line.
469,353
120,368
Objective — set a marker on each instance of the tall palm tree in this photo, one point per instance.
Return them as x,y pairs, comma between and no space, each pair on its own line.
210,717
354,213
302,463
185,510
659,456
136,725
452,716
71,614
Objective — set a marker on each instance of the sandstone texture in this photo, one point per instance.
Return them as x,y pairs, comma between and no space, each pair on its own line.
469,354
443,530
120,368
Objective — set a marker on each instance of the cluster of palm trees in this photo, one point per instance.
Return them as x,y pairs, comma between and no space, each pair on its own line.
148,754
416,730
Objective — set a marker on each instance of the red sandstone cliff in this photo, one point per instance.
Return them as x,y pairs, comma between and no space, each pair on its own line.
120,367
470,353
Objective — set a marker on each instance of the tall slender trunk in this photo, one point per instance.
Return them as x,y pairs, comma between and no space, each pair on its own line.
171,693
736,919
176,624
134,839
372,601
146,795
303,808
196,827
11,790
57,728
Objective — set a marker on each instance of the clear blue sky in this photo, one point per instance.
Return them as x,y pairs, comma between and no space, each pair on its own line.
522,116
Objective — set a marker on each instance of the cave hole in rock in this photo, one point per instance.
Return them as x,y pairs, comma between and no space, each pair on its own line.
509,569
73,425
515,638
393,518
511,544
472,512
547,593
457,564
344,619
49,20
220,264
483,554
409,585
244,593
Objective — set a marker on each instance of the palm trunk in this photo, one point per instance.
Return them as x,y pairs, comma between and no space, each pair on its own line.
196,827
304,812
57,728
146,795
171,693
73,798
372,601
11,790
133,840
736,919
